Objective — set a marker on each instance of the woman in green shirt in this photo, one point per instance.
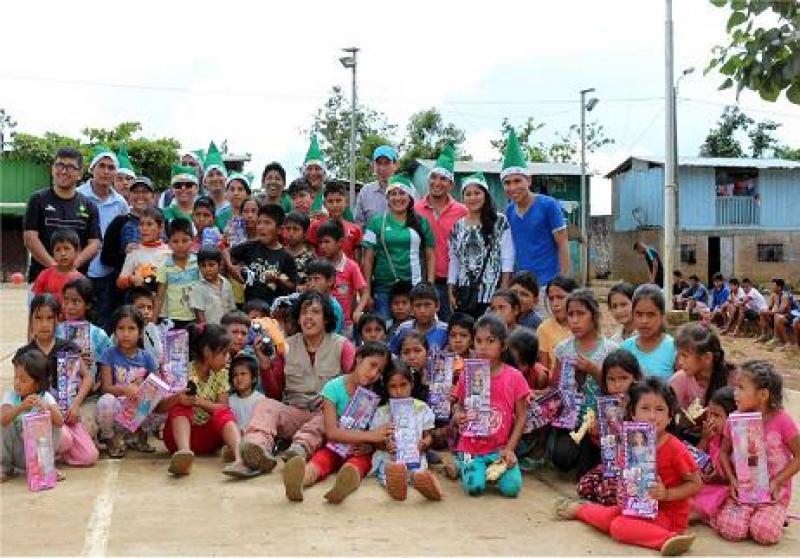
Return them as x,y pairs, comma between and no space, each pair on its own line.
398,244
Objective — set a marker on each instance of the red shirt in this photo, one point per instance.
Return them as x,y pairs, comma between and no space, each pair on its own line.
349,280
442,225
673,464
52,281
351,241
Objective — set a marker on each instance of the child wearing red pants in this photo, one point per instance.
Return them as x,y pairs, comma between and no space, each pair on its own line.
199,420
371,362
679,479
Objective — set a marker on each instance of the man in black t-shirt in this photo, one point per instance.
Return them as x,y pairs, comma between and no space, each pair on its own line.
60,207
653,260
272,270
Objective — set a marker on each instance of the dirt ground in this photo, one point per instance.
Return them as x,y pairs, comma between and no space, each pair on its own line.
133,507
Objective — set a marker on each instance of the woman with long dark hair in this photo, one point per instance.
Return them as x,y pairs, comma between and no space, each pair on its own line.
398,244
481,250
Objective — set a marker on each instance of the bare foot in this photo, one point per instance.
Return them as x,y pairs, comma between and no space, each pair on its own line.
565,508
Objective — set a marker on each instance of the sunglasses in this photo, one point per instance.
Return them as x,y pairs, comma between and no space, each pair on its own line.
182,185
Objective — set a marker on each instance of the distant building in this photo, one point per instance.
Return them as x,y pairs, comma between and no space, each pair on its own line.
740,217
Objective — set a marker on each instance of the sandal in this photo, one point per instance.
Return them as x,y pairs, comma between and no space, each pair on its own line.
142,445
116,447
60,476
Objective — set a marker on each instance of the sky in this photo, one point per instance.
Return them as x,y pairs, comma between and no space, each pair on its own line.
254,73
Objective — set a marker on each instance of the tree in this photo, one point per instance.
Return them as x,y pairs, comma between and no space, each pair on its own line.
762,59
761,137
721,141
426,135
567,149
151,158
536,152
332,124
786,152
6,123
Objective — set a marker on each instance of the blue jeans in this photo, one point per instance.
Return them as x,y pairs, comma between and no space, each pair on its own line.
444,301
473,475
380,295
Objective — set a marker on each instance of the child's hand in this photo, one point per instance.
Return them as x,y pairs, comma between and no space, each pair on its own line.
131,391
73,414
734,487
775,487
509,457
131,247
391,447
86,356
383,434
658,491
30,401
460,418
362,449
186,400
585,365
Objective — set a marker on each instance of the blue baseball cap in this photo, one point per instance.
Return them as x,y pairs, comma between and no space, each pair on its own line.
384,151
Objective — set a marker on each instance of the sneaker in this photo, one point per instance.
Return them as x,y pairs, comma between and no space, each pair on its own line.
677,545
397,481
293,474
347,481
295,450
181,463
239,470
427,485
255,457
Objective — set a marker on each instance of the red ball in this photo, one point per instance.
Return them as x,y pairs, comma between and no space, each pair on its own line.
17,278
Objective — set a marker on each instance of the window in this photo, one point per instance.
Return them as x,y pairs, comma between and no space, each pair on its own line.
688,253
770,252
736,182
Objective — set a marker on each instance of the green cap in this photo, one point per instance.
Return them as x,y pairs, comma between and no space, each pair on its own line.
125,166
445,164
183,174
100,151
513,159
403,182
476,178
213,160
241,177
314,154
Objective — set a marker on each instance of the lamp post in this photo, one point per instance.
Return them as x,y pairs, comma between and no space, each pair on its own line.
670,160
676,165
351,62
585,107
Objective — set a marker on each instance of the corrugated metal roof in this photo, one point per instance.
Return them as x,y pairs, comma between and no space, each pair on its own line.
494,167
714,162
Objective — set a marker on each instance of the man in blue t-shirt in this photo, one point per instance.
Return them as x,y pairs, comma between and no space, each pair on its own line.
538,228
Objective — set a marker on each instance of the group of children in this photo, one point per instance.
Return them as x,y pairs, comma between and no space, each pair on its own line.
511,359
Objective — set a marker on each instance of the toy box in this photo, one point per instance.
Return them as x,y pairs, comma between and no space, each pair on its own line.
79,332
611,414
571,399
406,433
68,372
176,359
133,412
356,416
543,410
749,457
639,470
477,402
440,369
40,463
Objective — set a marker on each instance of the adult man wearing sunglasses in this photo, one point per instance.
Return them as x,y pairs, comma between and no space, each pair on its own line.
60,207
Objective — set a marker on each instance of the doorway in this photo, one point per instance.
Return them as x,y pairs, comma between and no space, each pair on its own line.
713,257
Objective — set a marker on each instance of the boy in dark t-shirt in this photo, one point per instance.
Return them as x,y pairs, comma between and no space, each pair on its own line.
266,269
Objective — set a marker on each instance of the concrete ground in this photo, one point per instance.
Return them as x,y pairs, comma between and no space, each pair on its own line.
133,507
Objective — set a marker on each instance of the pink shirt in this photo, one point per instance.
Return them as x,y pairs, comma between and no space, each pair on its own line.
349,280
778,431
442,225
686,389
506,388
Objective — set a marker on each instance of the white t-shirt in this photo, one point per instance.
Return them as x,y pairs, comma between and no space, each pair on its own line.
243,407
754,300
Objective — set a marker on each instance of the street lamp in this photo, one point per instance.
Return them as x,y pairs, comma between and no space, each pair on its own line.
585,107
351,62
676,173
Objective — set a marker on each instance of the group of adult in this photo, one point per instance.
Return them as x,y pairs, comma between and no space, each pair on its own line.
467,249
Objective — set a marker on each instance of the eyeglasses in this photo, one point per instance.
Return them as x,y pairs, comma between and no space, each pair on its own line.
182,185
65,167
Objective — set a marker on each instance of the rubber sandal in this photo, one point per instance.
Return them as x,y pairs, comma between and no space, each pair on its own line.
255,457
677,545
293,473
240,471
347,481
427,485
181,463
397,481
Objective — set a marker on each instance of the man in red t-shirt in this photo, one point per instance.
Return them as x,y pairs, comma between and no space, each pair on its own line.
335,203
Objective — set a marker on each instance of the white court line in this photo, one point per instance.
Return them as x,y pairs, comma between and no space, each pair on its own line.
97,530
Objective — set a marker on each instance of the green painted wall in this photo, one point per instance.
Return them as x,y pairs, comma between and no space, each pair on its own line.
18,180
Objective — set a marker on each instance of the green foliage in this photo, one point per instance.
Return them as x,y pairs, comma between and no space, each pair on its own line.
762,59
786,152
721,141
535,151
567,149
426,135
332,124
762,138
152,158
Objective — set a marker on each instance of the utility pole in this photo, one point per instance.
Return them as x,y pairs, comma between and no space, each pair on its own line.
352,62
584,271
670,161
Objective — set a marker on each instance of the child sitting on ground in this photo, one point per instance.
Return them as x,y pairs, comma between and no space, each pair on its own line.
393,475
29,394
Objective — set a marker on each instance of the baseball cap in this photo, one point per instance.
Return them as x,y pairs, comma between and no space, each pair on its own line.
145,181
384,151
